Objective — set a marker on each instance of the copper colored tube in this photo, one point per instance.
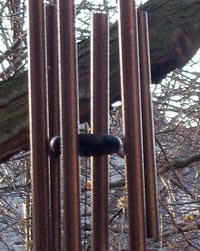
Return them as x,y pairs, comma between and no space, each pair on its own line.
99,124
130,82
69,126
53,124
38,126
148,130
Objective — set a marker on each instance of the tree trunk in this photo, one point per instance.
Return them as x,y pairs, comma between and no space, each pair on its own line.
174,31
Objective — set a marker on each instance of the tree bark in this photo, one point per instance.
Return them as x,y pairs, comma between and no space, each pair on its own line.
174,33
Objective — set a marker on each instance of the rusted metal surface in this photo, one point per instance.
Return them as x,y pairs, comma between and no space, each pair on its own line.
69,126
99,124
148,130
38,126
130,81
53,124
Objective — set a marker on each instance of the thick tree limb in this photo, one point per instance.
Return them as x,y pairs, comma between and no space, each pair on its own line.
179,164
174,38
14,128
165,168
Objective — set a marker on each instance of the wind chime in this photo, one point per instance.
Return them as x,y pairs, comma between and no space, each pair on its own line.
55,140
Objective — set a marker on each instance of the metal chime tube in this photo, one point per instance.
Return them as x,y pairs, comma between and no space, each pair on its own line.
99,124
38,126
130,81
148,133
53,124
69,126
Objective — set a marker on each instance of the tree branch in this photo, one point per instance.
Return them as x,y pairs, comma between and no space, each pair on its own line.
179,164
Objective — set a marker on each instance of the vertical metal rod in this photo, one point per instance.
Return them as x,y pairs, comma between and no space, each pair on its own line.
38,126
69,126
130,81
99,124
53,123
148,132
